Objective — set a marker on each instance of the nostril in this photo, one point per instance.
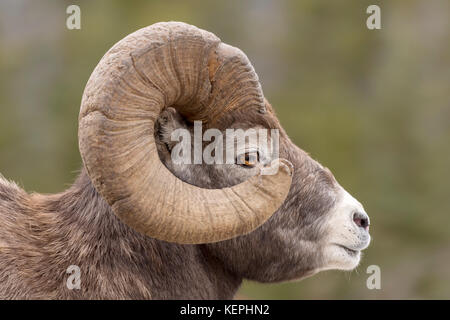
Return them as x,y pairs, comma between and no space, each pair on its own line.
361,220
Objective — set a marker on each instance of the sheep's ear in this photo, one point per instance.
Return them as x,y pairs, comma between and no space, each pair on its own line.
169,121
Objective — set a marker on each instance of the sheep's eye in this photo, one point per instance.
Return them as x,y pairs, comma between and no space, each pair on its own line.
248,159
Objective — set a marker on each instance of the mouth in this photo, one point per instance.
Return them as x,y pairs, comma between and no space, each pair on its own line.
350,252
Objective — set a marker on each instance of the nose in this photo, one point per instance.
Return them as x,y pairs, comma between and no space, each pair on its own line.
361,219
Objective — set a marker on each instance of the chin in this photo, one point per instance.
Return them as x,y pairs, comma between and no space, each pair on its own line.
339,257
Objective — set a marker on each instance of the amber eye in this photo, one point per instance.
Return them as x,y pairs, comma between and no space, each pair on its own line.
248,159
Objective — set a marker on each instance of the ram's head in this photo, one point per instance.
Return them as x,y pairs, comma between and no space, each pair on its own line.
268,215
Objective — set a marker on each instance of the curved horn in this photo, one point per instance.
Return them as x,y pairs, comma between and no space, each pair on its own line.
178,65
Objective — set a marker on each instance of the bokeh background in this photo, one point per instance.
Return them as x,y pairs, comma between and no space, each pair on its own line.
372,105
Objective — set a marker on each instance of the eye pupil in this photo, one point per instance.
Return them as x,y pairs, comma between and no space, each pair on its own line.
248,159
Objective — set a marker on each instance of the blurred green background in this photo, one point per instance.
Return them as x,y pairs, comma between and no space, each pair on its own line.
372,105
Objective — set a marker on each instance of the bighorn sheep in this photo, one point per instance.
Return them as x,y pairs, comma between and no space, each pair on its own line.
138,225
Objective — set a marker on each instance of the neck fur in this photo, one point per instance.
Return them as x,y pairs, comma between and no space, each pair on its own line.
77,227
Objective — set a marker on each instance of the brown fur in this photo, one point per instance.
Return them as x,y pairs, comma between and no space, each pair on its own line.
41,236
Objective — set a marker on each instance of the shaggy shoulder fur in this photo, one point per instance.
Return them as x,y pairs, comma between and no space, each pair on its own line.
41,236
